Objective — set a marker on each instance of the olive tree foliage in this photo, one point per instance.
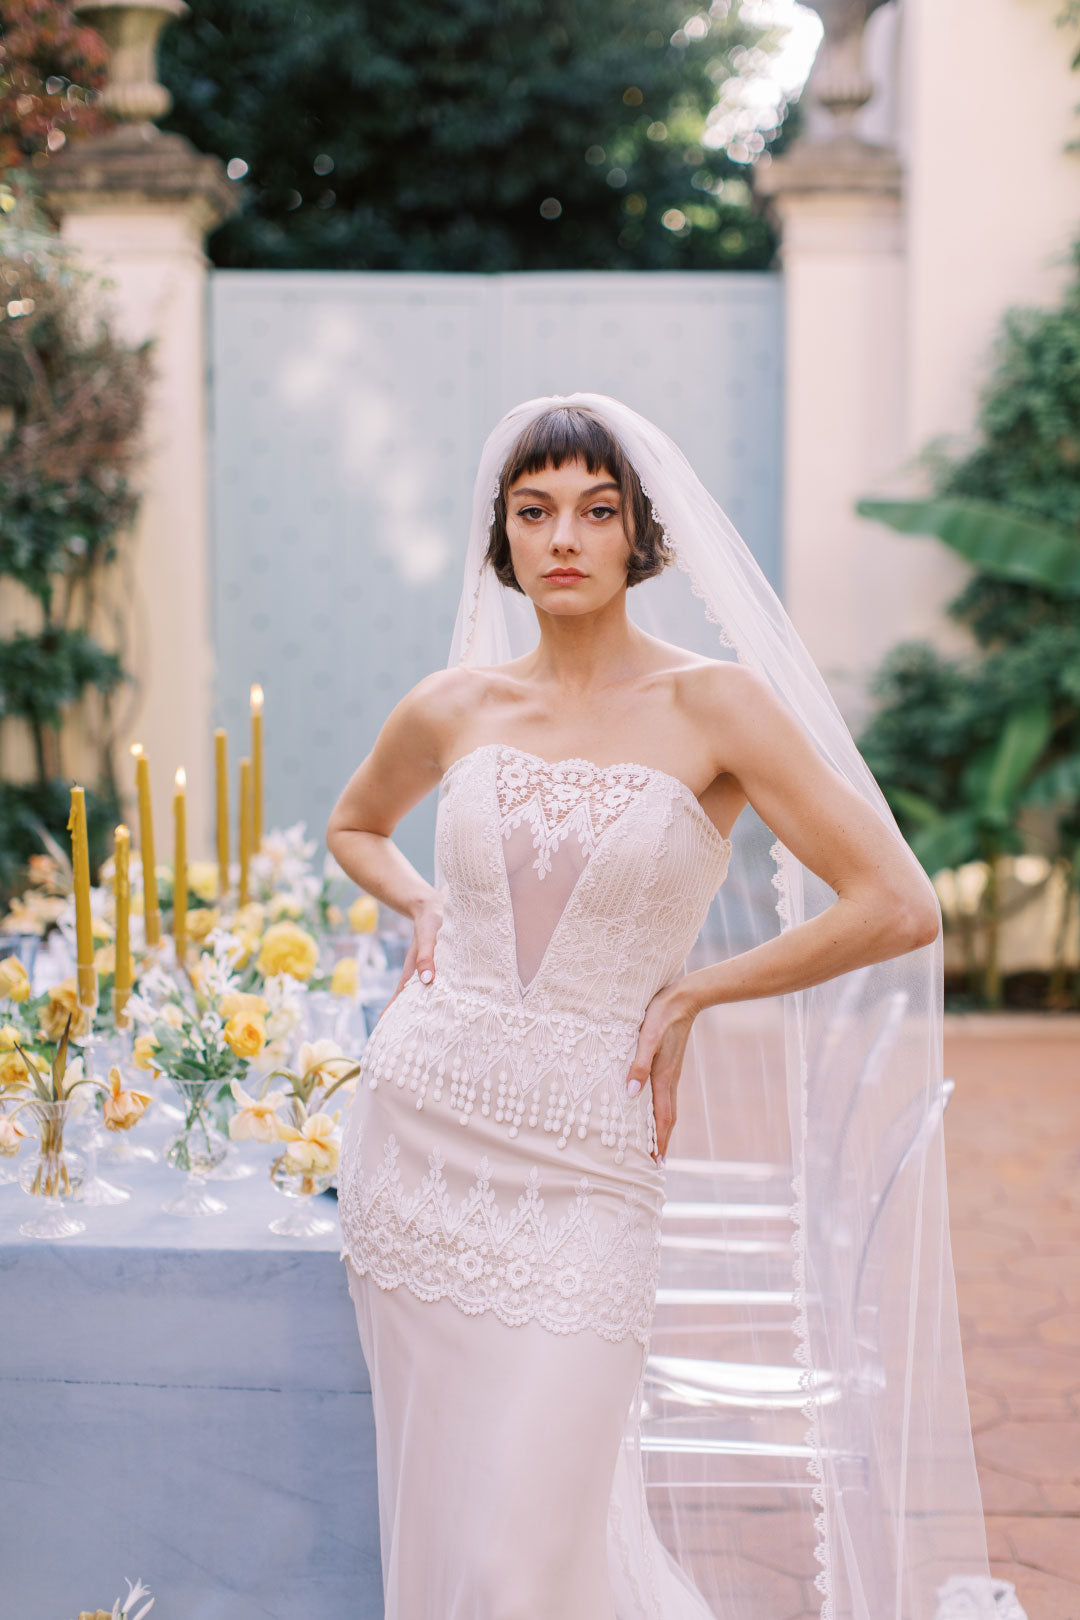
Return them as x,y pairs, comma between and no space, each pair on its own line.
488,135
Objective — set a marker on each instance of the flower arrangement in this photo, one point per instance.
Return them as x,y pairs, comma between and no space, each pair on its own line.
123,1608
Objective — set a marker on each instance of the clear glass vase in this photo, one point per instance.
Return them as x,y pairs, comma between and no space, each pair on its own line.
53,1174
196,1149
303,1219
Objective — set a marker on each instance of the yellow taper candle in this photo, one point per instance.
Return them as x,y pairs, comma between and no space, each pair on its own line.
246,821
85,972
180,882
151,907
256,769
221,768
122,898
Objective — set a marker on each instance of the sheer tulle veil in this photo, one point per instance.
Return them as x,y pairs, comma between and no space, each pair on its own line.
803,1426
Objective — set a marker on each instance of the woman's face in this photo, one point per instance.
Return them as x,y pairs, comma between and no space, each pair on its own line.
568,545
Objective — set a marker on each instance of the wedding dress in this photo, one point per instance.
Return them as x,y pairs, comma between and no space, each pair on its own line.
500,1207
792,1395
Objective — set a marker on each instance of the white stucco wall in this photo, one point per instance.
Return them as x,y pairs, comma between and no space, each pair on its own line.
891,313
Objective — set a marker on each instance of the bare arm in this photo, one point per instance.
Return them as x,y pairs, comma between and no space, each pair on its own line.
404,765
885,903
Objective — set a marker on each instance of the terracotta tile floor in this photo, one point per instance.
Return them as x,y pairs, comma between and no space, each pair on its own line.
1012,1133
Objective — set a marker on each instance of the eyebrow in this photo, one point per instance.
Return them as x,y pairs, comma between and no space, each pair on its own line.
593,489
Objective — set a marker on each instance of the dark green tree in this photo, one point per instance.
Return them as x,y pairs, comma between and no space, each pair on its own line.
483,135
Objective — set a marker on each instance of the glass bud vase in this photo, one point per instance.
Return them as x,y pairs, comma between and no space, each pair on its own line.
303,1219
53,1175
196,1149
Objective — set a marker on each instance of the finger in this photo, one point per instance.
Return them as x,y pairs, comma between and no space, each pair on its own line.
641,1067
425,952
663,1112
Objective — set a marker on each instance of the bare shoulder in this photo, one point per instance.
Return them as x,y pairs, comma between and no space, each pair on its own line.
729,702
433,713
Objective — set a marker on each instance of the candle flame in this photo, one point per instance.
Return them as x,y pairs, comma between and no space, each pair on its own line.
136,749
121,831
256,696
181,778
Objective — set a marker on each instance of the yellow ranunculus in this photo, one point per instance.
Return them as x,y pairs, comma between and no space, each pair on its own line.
245,1033
243,1001
202,879
11,1134
63,999
287,948
312,1150
14,983
142,1053
255,1120
200,920
364,914
345,979
122,1107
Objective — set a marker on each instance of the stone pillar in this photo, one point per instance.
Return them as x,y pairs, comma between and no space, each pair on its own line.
838,199
138,205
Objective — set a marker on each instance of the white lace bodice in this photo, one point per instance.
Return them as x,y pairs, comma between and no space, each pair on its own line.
572,893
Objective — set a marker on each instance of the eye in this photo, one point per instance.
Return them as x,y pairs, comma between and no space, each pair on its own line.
523,511
609,511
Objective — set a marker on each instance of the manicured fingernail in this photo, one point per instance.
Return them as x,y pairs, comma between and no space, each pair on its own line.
427,976
633,1087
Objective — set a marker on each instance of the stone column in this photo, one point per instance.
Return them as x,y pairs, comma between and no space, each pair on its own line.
838,199
138,204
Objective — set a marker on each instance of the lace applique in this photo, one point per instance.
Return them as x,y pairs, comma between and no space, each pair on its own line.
572,795
567,1275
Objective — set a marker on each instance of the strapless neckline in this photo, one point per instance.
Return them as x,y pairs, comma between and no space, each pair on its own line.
687,792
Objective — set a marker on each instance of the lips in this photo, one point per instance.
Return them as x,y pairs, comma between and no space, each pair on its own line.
564,573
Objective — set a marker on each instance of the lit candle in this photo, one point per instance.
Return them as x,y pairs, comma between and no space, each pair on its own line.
221,767
151,908
246,821
256,768
122,897
85,972
180,883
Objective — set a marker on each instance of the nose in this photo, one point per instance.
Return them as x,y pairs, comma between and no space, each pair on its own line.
563,536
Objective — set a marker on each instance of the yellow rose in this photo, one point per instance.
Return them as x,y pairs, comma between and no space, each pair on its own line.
13,1075
202,879
345,979
243,1001
245,1033
287,948
8,1036
201,920
122,1107
364,914
334,916
145,1046
63,999
105,959
13,980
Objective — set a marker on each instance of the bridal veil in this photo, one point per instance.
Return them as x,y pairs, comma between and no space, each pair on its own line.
803,1425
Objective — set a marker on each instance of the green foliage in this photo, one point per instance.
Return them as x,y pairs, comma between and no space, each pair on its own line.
981,756
485,136
71,403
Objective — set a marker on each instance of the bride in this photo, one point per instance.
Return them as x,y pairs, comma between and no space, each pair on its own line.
505,1161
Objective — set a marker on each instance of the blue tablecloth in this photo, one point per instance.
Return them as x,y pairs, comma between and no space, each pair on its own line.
184,1401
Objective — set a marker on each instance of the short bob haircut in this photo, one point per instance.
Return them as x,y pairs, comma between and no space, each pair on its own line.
568,433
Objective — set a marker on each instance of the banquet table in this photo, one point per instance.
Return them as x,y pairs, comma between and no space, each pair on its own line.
184,1401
